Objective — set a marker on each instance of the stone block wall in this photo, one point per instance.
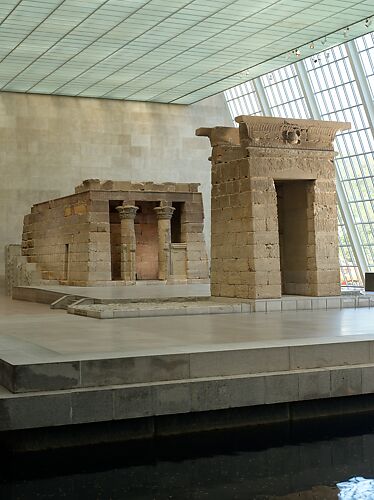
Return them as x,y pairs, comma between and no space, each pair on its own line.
193,236
57,236
247,167
78,239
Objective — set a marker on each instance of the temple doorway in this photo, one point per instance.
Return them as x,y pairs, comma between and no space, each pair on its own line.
292,205
146,241
115,240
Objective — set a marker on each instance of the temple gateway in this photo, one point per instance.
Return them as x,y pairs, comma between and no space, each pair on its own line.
274,208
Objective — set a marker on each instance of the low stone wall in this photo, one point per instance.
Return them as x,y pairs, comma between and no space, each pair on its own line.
18,272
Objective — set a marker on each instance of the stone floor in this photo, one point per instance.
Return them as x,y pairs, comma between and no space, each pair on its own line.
30,331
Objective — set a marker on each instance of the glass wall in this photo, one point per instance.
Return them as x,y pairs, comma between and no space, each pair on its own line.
243,100
284,93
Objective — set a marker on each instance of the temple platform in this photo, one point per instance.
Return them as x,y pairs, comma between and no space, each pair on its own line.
172,300
59,370
46,294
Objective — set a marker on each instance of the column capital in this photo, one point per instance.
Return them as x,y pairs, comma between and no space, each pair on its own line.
165,212
127,211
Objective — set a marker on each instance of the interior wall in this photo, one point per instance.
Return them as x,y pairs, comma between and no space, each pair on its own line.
49,144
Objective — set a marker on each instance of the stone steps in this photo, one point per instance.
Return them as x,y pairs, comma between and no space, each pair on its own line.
155,309
66,301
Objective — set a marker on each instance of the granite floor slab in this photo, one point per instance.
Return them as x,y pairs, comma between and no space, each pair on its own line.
33,331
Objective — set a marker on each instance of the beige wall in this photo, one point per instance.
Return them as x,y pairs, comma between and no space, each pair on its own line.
49,144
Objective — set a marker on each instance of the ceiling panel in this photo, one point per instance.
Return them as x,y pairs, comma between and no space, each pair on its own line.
160,50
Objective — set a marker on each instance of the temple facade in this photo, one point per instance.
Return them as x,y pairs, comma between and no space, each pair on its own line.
118,233
274,208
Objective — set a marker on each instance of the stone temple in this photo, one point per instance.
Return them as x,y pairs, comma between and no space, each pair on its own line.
118,233
274,208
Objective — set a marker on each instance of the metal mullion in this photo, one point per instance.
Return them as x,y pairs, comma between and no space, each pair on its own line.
367,186
284,90
322,95
343,139
359,139
343,87
252,101
296,88
245,104
359,188
318,78
300,107
294,106
367,237
352,107
345,170
275,93
245,99
333,76
261,96
236,108
361,82
359,177
342,201
290,86
362,114
256,103
353,156
235,105
248,86
341,107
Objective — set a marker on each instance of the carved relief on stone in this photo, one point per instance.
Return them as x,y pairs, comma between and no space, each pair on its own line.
291,135
285,133
127,211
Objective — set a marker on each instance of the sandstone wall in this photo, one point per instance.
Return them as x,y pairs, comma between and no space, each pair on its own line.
56,237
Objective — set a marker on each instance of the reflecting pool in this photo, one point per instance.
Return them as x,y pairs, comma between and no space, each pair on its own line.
277,462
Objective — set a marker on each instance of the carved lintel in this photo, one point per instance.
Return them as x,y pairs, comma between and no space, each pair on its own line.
269,132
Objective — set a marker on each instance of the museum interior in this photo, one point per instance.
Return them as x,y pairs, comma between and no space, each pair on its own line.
187,249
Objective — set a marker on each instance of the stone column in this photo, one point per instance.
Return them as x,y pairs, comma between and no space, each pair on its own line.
164,215
127,215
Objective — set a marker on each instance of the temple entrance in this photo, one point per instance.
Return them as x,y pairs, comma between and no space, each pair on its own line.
292,204
66,262
146,241
115,240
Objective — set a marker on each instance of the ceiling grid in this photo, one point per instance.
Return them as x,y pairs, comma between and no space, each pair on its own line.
156,50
